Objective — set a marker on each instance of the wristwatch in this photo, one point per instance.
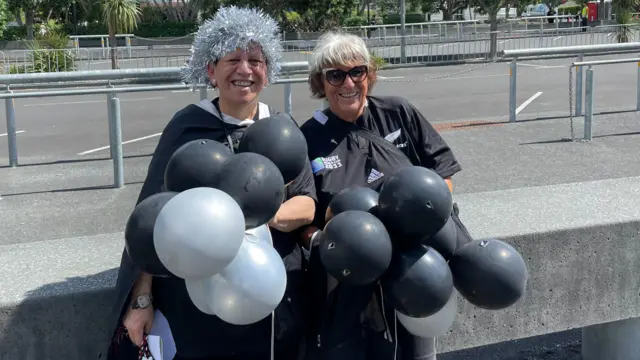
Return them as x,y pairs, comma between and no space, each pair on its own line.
143,301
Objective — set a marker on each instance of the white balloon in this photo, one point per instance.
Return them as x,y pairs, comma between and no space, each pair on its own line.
434,325
198,233
199,291
252,286
262,233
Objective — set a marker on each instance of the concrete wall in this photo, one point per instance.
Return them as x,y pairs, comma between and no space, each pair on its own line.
580,242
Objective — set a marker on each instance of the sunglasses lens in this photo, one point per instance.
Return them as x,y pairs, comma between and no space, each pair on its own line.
336,77
358,74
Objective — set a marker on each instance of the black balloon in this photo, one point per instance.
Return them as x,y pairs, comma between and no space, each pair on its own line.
138,233
255,183
353,198
355,248
195,164
445,241
414,204
490,274
280,140
418,283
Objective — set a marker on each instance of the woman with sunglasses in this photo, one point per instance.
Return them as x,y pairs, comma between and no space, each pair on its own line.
359,140
238,52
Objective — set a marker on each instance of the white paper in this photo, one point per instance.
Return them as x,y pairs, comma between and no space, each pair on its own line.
165,346
155,347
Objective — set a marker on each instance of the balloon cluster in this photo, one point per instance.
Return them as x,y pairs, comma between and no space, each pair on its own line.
209,227
405,237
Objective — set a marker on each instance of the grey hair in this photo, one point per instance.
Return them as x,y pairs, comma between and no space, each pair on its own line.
337,48
231,28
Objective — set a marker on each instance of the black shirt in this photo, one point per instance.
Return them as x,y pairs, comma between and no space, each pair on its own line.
389,117
198,334
389,135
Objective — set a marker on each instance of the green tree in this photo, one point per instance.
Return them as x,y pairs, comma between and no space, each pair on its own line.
3,16
121,16
29,7
491,8
623,10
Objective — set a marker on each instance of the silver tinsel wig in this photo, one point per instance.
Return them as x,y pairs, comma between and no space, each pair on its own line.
232,28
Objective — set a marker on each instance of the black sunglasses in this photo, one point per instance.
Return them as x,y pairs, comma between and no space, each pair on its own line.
336,77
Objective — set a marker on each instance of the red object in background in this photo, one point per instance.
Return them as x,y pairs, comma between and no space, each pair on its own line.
593,11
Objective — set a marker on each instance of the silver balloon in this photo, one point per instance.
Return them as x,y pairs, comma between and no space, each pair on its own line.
198,233
252,286
262,233
199,291
434,325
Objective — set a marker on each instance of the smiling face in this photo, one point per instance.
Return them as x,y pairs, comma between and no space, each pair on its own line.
240,75
346,88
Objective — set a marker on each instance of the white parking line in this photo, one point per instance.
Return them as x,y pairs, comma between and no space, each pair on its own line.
532,65
543,66
124,143
526,103
90,102
17,132
390,77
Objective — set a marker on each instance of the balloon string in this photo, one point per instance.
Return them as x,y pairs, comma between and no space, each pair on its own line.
273,334
395,335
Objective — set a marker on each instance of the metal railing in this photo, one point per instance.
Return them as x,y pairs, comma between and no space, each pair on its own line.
113,102
435,46
172,75
580,51
588,102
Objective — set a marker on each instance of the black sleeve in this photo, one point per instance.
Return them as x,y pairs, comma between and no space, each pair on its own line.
171,139
433,151
303,185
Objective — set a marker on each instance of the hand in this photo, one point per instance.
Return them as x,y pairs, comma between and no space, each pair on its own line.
138,322
307,234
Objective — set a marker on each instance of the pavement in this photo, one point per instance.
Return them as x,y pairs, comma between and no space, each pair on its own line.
63,186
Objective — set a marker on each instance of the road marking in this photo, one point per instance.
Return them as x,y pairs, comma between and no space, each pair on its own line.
473,77
390,77
559,37
532,65
526,103
90,102
124,143
543,66
17,132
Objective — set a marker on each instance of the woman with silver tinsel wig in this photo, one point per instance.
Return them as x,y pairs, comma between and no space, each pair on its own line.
237,52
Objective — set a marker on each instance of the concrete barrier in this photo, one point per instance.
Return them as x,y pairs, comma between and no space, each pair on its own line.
580,242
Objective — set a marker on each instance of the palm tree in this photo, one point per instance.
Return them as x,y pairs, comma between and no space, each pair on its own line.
623,10
121,16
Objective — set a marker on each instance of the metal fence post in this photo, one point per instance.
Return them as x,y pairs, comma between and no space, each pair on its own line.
579,88
11,130
116,126
638,89
513,74
588,118
288,104
112,144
